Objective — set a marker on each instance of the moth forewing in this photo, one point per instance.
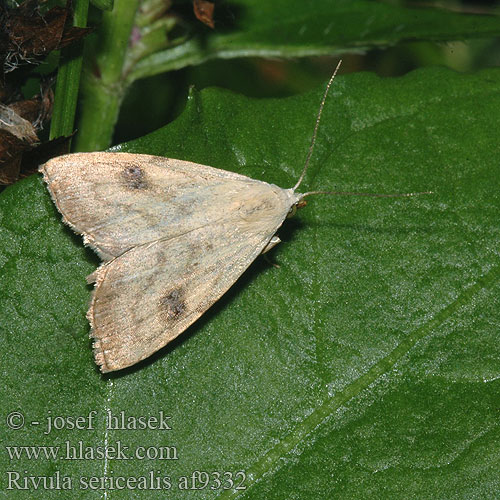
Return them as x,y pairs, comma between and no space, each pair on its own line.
118,201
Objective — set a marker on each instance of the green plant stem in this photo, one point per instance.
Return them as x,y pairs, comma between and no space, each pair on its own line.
68,79
104,84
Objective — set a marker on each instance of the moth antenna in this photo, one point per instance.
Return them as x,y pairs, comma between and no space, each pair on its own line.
313,141
376,195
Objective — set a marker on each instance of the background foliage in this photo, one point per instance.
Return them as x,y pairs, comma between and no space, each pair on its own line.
367,365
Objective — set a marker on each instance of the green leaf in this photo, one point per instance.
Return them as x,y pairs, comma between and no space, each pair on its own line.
366,366
296,29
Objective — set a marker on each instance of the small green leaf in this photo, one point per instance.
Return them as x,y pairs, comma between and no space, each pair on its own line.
366,366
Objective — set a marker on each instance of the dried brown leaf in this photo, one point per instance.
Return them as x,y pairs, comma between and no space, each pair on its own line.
27,35
36,110
204,11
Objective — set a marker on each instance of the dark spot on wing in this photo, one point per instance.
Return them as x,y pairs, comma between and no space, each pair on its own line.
134,177
172,304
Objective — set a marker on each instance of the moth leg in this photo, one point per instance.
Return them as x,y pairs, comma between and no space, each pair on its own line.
272,243
269,261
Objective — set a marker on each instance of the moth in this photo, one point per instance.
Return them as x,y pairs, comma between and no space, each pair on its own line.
163,267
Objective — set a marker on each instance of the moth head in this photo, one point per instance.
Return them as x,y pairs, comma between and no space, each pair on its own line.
295,206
